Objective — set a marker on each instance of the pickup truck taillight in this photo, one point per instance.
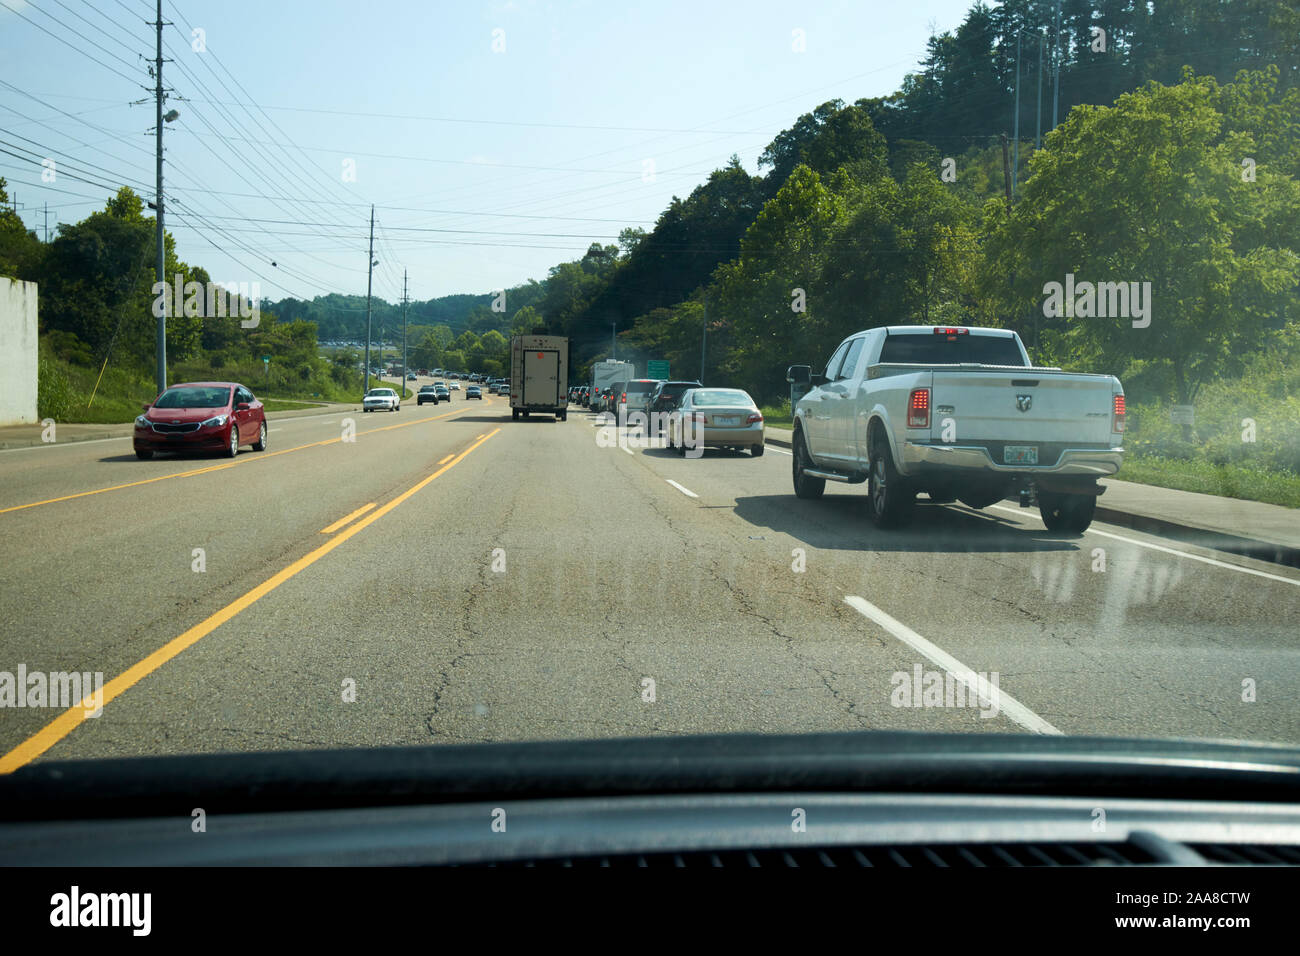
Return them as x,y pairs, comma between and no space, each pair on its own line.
754,419
918,408
1118,409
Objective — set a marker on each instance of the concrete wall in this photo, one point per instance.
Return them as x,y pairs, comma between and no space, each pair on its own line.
17,352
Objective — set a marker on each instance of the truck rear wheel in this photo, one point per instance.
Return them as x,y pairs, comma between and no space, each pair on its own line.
1066,512
805,486
514,414
892,498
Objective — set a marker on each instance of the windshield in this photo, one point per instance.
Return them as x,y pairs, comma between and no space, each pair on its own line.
938,539
929,349
715,396
195,396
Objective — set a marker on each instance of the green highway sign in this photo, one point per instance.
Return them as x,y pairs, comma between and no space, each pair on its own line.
266,359
656,368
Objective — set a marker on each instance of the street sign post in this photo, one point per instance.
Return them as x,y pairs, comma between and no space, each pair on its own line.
657,368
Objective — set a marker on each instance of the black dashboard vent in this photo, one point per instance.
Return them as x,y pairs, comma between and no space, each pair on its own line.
958,856
1249,854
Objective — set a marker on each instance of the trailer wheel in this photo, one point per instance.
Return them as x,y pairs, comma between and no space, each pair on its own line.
514,414
562,417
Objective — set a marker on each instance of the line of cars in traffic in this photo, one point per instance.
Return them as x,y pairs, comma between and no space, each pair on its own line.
684,412
386,399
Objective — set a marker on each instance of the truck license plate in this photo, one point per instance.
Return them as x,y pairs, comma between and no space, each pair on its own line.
1020,455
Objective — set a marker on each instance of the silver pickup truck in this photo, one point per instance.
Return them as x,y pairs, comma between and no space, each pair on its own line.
957,413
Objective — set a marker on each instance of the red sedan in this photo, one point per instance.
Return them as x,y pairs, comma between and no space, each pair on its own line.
201,416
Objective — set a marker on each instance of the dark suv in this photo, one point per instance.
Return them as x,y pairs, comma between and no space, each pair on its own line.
665,398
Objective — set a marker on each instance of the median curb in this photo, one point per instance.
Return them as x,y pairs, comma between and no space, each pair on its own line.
1184,529
69,433
1189,531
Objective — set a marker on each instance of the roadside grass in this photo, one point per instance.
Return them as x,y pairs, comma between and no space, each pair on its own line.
68,392
1229,480
777,414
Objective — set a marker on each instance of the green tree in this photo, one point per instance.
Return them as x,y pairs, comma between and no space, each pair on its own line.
762,297
831,136
903,256
525,321
1152,190
97,282
20,250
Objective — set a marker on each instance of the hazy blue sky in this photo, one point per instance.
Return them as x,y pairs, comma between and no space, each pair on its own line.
531,153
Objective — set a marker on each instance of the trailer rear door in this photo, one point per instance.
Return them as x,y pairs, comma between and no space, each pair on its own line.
542,377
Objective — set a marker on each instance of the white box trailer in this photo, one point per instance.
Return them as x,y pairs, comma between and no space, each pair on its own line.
539,376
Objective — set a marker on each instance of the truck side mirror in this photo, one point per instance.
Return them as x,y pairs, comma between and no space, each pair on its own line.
799,375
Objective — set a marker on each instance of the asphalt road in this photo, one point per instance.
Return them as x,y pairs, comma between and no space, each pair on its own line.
534,579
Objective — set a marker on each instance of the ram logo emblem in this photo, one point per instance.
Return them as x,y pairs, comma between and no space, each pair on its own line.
1024,402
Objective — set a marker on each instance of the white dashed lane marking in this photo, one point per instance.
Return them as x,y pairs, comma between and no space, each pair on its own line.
987,692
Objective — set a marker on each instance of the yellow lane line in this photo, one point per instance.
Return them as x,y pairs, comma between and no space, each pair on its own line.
356,514
71,719
447,459
261,456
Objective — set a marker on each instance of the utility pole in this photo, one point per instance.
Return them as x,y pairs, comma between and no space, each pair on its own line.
1006,172
160,341
403,328
370,268
704,341
1015,162
1056,64
1038,113
47,223
613,340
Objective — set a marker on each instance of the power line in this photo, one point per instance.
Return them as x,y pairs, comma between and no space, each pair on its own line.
17,13
305,168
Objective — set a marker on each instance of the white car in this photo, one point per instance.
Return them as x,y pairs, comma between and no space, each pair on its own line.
454,386
378,398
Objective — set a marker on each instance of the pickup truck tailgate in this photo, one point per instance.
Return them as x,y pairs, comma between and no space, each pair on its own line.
1030,406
